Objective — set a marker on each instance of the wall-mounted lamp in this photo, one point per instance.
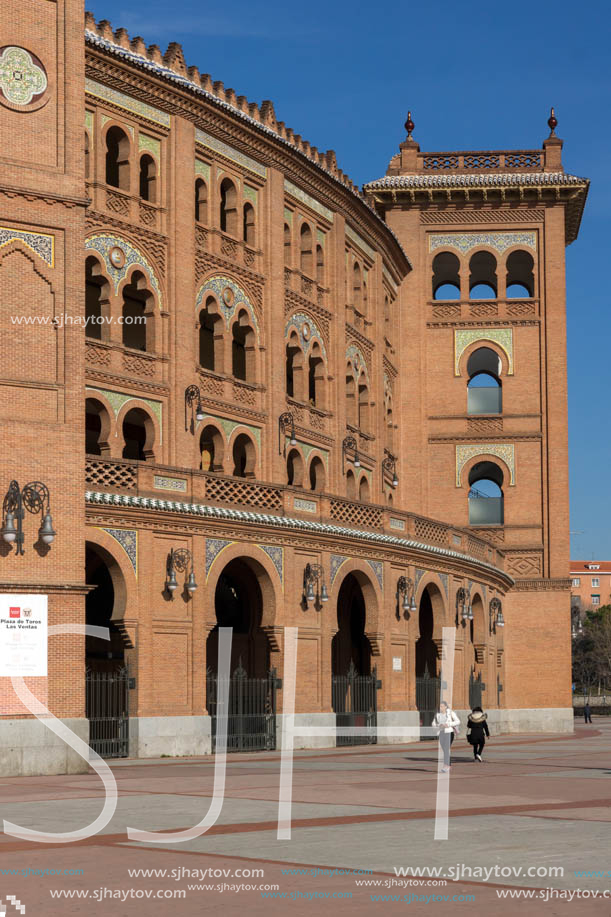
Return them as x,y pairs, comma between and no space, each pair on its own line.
389,467
496,615
464,611
349,445
35,498
193,394
405,588
285,421
313,573
181,560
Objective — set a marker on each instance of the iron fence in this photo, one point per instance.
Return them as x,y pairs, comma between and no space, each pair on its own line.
107,709
251,718
355,703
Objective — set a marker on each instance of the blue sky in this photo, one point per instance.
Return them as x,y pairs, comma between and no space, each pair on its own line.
475,77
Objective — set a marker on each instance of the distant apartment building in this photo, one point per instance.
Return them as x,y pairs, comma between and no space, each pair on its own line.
590,583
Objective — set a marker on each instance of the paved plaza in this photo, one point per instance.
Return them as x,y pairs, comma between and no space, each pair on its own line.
537,801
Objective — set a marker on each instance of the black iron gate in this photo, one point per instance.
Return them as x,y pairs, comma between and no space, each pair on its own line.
107,709
476,687
251,720
355,703
427,699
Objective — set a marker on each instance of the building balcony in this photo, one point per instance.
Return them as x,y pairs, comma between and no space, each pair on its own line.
459,310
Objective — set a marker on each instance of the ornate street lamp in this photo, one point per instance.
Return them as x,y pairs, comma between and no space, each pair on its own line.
349,444
389,467
464,611
180,559
193,394
496,615
35,498
313,573
285,421
405,588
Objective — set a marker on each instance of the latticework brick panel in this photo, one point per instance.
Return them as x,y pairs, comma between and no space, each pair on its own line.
430,532
110,475
243,493
356,514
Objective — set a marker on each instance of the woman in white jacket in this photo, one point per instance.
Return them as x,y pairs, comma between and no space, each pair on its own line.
447,723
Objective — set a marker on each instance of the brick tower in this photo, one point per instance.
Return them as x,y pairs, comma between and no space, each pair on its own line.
42,201
483,371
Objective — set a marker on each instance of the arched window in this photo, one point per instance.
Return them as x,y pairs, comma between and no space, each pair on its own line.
317,474
351,405
207,332
484,386
294,368
520,275
363,419
389,426
486,494
294,469
229,208
320,265
139,436
148,178
97,428
316,377
365,297
243,457
87,156
137,314
287,245
351,485
446,276
96,301
357,292
211,448
305,250
364,490
243,348
249,225
201,200
386,309
482,276
117,158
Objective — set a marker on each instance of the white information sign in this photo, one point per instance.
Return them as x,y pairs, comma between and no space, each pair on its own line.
23,635
397,664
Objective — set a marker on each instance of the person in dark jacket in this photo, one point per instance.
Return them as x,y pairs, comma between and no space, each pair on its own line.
587,713
478,730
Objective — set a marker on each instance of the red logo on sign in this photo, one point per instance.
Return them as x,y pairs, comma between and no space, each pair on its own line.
15,612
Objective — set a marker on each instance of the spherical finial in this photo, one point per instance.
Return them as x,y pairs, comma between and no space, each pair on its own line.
409,125
552,122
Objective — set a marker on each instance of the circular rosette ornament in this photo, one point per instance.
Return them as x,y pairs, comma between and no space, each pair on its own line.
23,79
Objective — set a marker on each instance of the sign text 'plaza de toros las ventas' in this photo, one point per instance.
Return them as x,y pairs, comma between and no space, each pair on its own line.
238,391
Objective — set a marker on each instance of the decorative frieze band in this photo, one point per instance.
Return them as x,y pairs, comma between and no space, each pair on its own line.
229,152
499,241
126,102
40,243
464,337
309,201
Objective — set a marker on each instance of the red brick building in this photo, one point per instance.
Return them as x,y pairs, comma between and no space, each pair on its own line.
590,584
348,407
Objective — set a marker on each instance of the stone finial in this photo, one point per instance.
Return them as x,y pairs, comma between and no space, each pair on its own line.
154,54
175,59
138,46
552,122
409,126
122,39
268,115
105,30
193,74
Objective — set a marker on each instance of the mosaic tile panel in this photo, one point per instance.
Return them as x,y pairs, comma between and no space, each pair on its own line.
230,153
118,399
89,121
22,76
336,561
230,297
444,579
504,451
419,574
378,568
398,524
251,194
163,483
355,356
106,246
308,332
360,242
499,241
129,542
320,237
276,555
150,145
128,127
288,216
40,243
127,103
202,168
305,506
214,546
228,426
309,201
464,337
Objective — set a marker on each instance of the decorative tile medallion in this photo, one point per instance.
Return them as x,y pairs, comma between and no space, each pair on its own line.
129,542
119,257
230,298
504,451
309,201
308,332
214,546
499,241
378,568
464,337
360,243
336,561
354,355
276,555
127,103
40,243
230,153
23,78
163,483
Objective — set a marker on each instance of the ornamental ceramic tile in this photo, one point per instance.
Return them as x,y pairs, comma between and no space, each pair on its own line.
288,216
228,426
464,337
499,241
336,561
127,103
229,296
40,243
118,399
214,546
119,257
360,242
161,482
378,568
308,200
230,153
444,579
202,168
276,554
308,332
129,542
150,144
504,451
23,79
418,577
250,194
355,356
